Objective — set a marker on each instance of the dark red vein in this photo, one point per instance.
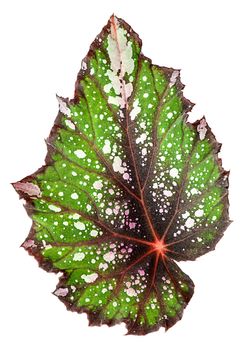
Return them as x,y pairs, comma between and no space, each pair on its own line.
141,200
105,162
175,283
98,222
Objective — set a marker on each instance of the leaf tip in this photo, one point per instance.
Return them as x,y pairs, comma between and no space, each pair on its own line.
114,25
113,18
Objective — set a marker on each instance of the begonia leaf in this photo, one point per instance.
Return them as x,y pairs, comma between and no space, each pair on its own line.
129,187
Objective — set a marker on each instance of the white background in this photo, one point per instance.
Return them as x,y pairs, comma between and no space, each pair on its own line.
42,44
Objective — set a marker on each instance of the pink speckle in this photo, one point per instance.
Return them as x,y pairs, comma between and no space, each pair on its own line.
29,244
108,211
126,176
126,212
131,292
63,106
103,266
109,256
27,187
123,250
141,272
61,292
132,225
173,78
201,128
130,250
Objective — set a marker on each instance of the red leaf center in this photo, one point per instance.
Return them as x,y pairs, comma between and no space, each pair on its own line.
160,247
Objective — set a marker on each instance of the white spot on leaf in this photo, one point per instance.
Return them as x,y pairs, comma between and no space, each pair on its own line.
174,172
54,208
108,211
106,147
117,165
74,195
98,184
126,176
141,139
90,278
75,216
189,223
103,266
185,215
194,191
144,151
109,256
80,154
94,233
199,213
136,110
131,292
167,193
70,124
78,256
79,225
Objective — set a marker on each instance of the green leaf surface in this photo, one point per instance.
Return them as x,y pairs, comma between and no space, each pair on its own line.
128,187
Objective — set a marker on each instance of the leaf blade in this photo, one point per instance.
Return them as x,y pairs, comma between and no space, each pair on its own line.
129,186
